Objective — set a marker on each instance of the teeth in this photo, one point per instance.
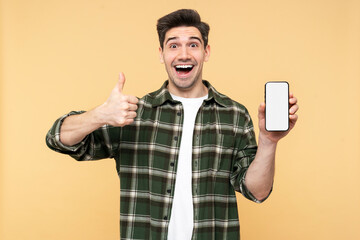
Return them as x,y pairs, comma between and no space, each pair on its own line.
184,66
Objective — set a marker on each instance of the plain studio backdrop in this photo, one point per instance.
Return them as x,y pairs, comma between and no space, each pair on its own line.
58,56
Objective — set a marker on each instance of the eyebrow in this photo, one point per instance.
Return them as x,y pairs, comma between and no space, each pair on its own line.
174,38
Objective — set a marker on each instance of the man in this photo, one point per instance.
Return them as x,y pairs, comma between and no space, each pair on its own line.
182,151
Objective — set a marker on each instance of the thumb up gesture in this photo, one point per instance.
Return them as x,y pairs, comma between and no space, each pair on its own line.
119,109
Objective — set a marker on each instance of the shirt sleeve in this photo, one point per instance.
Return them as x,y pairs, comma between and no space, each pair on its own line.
99,144
245,152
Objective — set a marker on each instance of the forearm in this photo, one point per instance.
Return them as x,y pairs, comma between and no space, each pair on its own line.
260,174
76,127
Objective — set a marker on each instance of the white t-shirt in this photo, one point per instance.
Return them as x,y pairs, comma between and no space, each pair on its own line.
182,213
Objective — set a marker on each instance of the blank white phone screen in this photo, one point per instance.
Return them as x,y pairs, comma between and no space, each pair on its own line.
276,106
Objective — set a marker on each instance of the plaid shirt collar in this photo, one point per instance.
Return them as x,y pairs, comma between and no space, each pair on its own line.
163,95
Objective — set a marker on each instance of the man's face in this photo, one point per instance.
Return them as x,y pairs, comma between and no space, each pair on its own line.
183,54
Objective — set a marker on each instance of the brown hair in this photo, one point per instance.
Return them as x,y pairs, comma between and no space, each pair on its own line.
182,17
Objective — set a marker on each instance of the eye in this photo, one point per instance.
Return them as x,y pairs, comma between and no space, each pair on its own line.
172,46
194,45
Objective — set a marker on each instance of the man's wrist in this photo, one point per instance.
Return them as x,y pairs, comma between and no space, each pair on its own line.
264,140
96,116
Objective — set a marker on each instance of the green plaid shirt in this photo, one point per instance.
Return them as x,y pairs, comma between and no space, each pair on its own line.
146,154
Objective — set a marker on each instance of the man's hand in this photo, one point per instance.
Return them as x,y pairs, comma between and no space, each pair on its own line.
276,136
119,109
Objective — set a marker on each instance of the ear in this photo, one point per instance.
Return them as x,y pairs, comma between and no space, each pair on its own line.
207,53
161,55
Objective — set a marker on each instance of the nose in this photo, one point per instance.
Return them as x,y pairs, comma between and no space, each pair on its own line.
184,54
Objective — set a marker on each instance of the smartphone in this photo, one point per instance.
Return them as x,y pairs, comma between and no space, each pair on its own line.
277,106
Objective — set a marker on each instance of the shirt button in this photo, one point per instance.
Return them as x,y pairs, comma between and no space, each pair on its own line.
175,138
172,164
195,162
165,218
178,113
169,191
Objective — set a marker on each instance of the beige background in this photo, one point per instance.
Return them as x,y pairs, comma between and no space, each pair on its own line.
58,56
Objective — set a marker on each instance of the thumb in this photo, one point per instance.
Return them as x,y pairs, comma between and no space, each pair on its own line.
121,82
261,113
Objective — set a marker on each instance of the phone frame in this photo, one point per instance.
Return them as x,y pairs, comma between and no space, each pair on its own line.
288,120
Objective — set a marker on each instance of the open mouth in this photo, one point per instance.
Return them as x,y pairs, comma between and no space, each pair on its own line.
183,70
